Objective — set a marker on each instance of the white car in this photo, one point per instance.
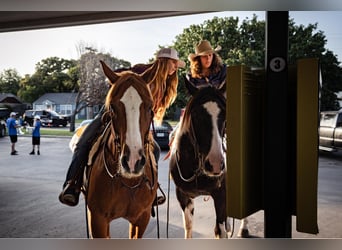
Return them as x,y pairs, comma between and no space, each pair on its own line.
78,133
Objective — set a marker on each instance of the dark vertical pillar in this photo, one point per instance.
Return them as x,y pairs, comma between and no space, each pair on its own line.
277,197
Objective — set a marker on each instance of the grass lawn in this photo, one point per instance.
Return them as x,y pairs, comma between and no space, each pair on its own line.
49,131
52,132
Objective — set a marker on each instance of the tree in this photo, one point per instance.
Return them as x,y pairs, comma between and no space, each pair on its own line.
245,44
9,81
93,88
51,76
331,81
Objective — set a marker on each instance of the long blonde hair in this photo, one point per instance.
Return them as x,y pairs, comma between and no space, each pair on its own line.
162,85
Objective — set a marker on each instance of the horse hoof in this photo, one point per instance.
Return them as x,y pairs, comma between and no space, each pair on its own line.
244,233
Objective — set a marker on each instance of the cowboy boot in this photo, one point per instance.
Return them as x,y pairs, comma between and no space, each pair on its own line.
74,178
72,186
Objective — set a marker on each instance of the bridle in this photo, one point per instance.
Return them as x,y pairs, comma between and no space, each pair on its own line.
110,127
198,155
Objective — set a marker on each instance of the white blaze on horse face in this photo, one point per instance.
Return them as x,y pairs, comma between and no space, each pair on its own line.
215,155
132,100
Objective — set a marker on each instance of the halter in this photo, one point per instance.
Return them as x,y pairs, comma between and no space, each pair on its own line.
201,157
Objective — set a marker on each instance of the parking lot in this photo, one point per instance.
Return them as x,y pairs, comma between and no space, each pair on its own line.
30,185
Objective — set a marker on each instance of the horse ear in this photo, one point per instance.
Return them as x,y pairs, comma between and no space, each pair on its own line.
109,73
189,85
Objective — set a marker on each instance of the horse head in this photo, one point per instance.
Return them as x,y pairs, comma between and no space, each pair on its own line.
129,106
206,113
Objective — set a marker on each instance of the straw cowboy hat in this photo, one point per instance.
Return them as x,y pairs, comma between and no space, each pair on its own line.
203,48
170,53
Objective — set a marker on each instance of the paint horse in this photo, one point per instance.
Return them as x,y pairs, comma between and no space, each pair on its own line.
197,161
122,179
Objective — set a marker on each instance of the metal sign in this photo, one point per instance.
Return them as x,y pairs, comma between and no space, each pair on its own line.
277,64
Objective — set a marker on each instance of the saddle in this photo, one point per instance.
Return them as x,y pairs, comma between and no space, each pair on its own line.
102,138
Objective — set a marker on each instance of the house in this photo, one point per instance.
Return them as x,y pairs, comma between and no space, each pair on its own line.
12,102
63,103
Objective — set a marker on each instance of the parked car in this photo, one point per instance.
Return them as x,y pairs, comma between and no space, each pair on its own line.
161,134
330,131
4,114
2,128
78,132
47,118
85,122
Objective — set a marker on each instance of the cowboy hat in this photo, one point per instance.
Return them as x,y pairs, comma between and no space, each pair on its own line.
170,53
203,48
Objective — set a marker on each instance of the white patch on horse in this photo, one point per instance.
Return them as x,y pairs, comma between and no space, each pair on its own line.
187,220
132,101
215,155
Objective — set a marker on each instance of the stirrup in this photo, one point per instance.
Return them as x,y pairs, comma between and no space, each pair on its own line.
160,200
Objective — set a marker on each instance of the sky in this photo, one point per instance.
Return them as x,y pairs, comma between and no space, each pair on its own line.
135,41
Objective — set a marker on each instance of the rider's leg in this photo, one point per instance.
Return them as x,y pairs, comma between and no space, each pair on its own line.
72,185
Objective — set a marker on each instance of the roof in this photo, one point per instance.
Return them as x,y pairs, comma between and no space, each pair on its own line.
9,98
57,98
26,20
332,111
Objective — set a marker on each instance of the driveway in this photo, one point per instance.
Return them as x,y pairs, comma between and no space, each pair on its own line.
30,185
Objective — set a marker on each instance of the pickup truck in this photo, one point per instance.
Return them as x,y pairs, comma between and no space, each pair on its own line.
330,131
47,117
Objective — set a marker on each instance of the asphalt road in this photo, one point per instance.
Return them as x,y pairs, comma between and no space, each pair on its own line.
30,185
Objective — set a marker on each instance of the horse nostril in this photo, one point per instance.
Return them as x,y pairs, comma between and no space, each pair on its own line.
208,166
143,160
124,162
222,165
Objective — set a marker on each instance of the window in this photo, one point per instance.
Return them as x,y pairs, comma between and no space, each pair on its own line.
65,109
328,120
339,120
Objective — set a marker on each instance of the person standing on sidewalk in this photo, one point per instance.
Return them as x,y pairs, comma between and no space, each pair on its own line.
36,135
12,131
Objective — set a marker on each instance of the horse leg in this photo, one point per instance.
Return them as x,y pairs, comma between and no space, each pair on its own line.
137,229
243,231
98,226
221,228
187,205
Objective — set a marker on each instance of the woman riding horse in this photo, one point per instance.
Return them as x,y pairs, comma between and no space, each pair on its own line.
163,81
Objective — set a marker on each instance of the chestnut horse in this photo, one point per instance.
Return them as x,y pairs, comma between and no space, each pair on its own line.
122,178
197,161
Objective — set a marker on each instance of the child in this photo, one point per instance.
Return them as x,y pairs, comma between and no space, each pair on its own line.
36,134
